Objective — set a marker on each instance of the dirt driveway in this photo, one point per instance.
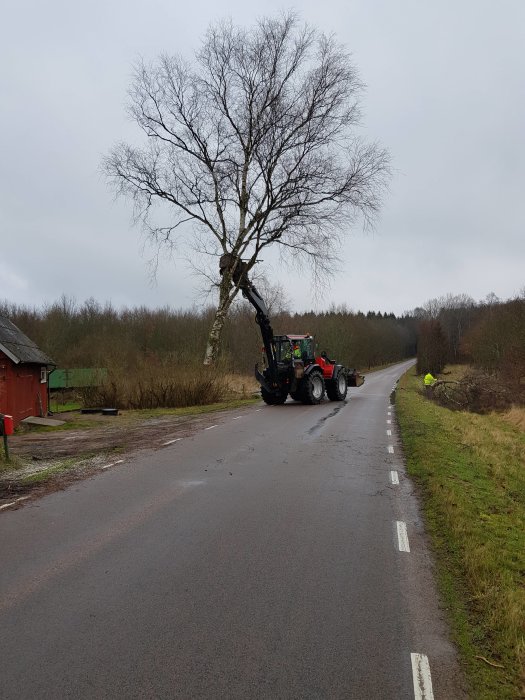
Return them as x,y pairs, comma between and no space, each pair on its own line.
48,460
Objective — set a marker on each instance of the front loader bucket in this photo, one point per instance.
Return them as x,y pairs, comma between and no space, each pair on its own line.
355,379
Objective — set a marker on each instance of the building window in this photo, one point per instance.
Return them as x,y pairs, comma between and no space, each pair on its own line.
43,375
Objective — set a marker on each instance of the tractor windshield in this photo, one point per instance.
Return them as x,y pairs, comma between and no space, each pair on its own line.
283,349
307,350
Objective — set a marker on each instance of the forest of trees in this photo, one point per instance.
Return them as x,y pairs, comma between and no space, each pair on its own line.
488,335
95,335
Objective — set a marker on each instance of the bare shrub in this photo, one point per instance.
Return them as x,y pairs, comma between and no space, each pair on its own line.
479,392
157,387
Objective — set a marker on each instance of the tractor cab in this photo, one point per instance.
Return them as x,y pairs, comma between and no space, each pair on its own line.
290,348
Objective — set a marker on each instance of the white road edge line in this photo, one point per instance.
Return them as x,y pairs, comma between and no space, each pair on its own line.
402,536
236,417
389,422
258,409
210,427
394,478
107,466
421,677
389,413
389,432
391,449
170,442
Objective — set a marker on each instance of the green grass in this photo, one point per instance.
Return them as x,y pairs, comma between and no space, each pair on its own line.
472,478
57,407
45,474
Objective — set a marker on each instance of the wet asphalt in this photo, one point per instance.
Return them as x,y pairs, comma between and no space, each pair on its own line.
257,559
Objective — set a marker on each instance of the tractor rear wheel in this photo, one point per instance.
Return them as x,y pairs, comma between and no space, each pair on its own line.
313,388
337,388
273,399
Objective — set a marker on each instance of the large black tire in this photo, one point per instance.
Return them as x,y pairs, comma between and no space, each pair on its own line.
336,389
296,395
273,399
313,388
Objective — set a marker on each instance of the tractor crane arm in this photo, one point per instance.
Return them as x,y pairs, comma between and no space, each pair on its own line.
293,368
239,275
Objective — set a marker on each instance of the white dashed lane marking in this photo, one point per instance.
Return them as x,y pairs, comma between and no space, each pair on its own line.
421,677
402,536
394,478
170,442
107,466
389,432
391,449
210,427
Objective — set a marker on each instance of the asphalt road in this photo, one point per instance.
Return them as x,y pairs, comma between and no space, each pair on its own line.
259,558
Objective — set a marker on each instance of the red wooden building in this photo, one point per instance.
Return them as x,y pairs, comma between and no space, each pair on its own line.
24,372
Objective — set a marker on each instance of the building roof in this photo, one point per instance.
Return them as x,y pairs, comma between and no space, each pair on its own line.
18,347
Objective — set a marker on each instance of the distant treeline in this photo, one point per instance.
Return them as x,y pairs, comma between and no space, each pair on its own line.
489,335
95,335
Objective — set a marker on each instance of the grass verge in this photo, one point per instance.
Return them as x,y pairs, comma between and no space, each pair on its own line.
470,471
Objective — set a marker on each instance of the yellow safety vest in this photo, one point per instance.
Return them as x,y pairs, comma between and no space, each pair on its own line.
429,379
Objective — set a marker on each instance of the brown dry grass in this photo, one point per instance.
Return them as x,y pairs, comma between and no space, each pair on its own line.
516,416
243,385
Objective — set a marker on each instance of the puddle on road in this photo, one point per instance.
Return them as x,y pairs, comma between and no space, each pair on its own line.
317,427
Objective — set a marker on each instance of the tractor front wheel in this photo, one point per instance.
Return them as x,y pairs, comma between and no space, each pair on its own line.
273,399
313,388
336,389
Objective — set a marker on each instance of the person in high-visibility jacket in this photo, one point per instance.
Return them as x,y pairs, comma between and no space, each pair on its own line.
429,379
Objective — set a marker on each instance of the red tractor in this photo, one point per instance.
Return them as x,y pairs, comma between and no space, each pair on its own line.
292,366
294,369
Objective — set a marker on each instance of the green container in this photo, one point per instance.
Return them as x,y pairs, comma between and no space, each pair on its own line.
77,378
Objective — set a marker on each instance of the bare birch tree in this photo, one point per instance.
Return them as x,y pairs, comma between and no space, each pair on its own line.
255,144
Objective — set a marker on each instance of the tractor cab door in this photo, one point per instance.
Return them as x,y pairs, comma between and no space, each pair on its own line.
283,349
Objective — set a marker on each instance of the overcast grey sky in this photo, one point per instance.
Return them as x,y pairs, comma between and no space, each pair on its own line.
446,96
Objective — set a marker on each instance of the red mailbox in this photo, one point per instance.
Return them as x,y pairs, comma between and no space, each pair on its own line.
9,427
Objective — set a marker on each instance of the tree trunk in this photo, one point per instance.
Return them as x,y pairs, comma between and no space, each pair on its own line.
214,337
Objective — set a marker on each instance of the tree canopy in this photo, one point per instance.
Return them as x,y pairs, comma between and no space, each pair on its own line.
254,142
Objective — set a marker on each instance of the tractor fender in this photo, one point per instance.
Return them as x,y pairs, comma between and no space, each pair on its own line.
337,370
312,368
